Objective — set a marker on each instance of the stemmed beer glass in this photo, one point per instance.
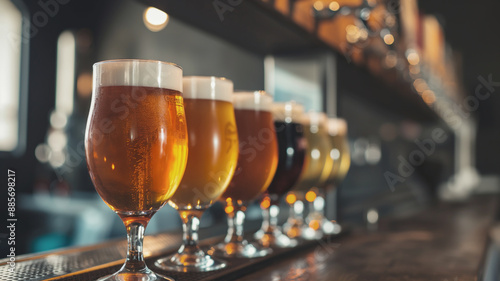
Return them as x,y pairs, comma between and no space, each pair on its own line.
313,177
136,147
213,154
337,131
291,157
257,163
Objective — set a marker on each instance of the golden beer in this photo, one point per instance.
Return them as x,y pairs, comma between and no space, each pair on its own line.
213,145
258,155
340,152
213,153
136,146
319,162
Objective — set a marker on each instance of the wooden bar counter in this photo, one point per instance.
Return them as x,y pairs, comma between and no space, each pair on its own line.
446,242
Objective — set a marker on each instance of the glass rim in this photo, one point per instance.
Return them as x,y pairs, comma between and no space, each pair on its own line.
207,77
137,60
254,92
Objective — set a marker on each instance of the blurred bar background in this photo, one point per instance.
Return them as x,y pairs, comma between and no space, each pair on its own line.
415,81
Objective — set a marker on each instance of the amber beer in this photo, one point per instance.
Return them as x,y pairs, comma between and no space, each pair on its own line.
213,148
258,155
257,161
135,156
320,163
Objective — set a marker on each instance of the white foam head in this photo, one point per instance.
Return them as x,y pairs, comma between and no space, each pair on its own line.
258,100
207,87
314,118
287,111
132,72
337,126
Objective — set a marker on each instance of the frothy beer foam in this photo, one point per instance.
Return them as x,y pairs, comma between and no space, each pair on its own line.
337,126
287,111
207,87
314,119
145,73
258,100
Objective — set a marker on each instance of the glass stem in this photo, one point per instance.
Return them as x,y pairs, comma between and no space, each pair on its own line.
265,220
190,227
235,220
298,210
135,236
312,211
319,205
273,213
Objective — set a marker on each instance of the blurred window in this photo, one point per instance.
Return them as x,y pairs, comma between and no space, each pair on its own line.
10,73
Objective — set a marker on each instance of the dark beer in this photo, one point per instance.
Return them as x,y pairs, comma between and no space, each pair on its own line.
291,156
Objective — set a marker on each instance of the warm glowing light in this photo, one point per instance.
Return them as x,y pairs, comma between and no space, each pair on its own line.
112,166
391,59
413,58
84,84
229,209
352,33
420,85
334,6
414,69
154,19
428,97
265,203
390,20
314,224
388,39
310,196
291,198
318,5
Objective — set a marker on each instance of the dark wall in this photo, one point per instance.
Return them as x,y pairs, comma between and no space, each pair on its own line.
471,28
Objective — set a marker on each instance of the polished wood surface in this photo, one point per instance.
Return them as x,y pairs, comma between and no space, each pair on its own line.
444,243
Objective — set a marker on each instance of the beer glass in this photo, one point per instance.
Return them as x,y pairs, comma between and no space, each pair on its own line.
213,154
257,163
291,157
136,146
313,177
337,131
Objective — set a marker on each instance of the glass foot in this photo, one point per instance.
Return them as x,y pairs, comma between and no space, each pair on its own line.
293,228
195,262
331,227
239,250
313,230
309,233
275,239
142,275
